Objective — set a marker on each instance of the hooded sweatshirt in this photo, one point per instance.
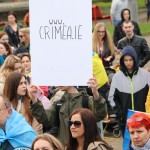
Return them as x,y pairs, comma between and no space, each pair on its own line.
129,90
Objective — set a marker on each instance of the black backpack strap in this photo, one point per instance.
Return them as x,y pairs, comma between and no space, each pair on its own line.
85,99
57,107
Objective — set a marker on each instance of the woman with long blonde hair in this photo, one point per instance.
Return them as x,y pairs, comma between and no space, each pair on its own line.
11,64
102,44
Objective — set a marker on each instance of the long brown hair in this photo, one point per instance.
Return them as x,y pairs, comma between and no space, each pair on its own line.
91,132
10,91
8,48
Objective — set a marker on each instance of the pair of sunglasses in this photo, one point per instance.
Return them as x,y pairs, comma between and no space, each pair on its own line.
137,119
77,124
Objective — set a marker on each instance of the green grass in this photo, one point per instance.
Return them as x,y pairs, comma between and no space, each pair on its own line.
110,28
108,4
1,28
103,4
145,28
141,3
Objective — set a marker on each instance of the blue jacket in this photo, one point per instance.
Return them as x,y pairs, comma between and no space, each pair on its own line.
1,60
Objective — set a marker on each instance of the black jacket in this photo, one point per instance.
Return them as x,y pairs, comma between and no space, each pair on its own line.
106,53
6,146
119,33
140,46
13,36
22,49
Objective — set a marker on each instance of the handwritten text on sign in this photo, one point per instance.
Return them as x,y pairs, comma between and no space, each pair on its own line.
57,29
61,42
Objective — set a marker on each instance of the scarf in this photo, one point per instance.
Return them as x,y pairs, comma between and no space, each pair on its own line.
145,147
17,131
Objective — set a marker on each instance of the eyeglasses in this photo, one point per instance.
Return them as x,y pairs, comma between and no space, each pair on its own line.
21,36
77,124
101,31
137,119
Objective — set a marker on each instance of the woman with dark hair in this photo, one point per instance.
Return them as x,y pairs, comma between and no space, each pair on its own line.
15,89
118,31
4,38
12,29
84,133
5,50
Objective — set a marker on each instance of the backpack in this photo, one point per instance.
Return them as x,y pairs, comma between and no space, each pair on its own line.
54,130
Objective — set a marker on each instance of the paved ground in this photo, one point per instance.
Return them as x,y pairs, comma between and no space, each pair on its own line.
115,142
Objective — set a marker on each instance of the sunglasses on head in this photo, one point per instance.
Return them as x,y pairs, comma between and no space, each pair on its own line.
137,119
77,124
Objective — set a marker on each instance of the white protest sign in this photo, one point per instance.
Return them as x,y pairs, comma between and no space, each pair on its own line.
61,42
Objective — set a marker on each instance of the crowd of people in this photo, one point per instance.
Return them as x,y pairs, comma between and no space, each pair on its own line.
65,117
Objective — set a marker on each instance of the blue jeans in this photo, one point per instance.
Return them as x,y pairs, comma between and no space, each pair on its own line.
115,22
